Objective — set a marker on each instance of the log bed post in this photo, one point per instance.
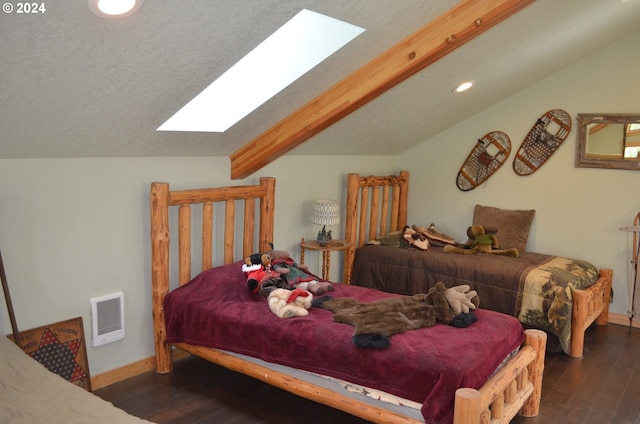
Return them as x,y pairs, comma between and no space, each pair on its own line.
537,339
353,184
267,211
607,274
160,271
403,201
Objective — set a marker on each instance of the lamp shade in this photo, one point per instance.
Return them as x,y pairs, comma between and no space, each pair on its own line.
325,212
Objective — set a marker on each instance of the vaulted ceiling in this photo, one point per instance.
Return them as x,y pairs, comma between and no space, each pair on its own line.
75,85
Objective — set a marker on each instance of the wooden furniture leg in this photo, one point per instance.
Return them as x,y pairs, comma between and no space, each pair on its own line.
7,298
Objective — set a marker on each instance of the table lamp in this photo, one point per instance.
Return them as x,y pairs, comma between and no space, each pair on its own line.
325,212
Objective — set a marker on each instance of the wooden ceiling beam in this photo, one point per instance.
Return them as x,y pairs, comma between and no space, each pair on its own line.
438,38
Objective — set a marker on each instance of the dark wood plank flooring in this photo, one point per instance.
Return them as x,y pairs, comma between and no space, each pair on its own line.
602,387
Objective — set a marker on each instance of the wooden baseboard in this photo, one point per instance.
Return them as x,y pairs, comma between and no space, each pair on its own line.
131,370
622,319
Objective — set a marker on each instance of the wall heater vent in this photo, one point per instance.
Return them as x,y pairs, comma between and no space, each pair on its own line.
107,318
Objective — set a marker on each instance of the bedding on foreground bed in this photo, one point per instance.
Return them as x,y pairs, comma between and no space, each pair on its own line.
31,394
216,309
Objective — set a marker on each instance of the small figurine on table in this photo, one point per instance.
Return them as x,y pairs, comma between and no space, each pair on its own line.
324,237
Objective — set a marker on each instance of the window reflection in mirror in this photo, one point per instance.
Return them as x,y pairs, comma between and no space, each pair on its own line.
632,141
608,141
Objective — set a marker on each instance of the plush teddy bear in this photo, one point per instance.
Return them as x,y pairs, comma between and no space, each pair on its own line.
297,275
253,268
483,242
260,277
287,303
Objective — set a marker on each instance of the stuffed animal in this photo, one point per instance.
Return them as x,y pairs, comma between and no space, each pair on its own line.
260,277
287,303
415,239
483,242
253,268
460,299
434,236
297,275
377,321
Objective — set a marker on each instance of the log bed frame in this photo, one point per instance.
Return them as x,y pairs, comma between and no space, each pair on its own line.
515,388
377,205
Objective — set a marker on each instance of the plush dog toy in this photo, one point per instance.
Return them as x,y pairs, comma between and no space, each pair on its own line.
483,242
287,303
297,275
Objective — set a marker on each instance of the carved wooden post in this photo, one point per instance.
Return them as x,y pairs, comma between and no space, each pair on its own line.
160,271
538,341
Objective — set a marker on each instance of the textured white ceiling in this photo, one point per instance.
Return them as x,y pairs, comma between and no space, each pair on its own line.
75,85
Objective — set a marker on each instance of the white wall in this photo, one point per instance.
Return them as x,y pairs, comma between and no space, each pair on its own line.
578,210
71,229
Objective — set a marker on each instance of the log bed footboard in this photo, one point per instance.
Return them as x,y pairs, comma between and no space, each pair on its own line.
515,388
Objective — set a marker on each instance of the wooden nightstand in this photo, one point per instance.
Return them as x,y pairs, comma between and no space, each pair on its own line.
332,246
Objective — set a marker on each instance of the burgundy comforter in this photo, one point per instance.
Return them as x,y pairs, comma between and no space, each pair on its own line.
216,310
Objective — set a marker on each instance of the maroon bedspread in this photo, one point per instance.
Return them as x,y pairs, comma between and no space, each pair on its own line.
217,310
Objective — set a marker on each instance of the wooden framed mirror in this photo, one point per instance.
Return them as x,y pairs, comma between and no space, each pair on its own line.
608,141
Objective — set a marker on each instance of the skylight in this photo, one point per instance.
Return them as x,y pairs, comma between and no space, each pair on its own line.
299,45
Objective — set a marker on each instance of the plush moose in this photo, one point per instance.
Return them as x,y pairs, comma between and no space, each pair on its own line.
483,242
377,321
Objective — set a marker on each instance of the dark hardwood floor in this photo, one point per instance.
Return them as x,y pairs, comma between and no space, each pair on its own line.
602,387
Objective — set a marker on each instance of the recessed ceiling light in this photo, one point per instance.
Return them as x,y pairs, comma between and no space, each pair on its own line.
114,8
464,86
287,54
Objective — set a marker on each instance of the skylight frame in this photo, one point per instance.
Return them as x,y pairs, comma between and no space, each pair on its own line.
298,46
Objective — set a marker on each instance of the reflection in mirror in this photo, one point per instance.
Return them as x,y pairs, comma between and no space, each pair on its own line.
608,141
632,140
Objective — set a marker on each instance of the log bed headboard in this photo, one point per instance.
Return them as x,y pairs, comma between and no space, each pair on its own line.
375,206
255,238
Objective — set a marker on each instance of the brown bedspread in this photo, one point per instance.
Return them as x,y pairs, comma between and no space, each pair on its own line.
427,365
501,281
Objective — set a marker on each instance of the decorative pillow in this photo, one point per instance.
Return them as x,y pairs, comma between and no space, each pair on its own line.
513,225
